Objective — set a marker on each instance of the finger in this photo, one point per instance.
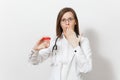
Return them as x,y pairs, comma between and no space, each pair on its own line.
40,40
47,45
66,30
69,29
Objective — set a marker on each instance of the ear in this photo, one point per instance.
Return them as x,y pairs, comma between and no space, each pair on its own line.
75,23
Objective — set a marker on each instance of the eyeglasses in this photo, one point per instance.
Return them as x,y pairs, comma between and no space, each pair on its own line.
69,20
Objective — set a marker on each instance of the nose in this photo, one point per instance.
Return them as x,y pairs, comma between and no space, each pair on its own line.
67,22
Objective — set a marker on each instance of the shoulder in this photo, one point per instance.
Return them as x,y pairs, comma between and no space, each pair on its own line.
84,40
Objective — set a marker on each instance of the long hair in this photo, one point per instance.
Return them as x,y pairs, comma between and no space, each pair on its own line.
59,29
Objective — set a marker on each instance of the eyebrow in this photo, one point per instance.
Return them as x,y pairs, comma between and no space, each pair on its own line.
67,18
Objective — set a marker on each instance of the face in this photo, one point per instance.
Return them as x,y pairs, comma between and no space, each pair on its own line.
68,21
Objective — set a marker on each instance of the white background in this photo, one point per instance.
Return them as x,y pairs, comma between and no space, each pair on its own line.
23,22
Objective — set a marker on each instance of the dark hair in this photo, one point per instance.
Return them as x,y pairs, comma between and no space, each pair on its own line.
58,25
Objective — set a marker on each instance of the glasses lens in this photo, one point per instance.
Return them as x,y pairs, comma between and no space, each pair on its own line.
69,20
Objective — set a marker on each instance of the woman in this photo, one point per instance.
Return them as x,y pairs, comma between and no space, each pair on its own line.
69,50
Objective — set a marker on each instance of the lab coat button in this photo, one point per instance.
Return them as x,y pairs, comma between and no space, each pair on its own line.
75,51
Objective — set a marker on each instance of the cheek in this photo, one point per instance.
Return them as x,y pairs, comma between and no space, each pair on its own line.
63,26
73,26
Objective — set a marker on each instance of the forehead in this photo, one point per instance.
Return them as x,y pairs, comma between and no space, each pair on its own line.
67,15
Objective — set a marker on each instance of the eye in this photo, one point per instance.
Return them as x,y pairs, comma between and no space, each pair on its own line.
63,20
70,19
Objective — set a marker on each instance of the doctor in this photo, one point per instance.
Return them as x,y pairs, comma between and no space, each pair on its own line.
69,51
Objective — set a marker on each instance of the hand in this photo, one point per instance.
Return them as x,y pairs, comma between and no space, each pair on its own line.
41,44
71,37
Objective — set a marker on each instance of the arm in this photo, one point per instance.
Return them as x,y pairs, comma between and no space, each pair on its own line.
39,56
83,56
40,52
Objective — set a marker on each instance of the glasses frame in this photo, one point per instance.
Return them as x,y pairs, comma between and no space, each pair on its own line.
69,20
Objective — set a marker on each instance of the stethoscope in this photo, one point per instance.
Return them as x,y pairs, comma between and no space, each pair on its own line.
55,44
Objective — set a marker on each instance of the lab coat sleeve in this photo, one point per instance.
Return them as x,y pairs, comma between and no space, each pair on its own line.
37,57
83,57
